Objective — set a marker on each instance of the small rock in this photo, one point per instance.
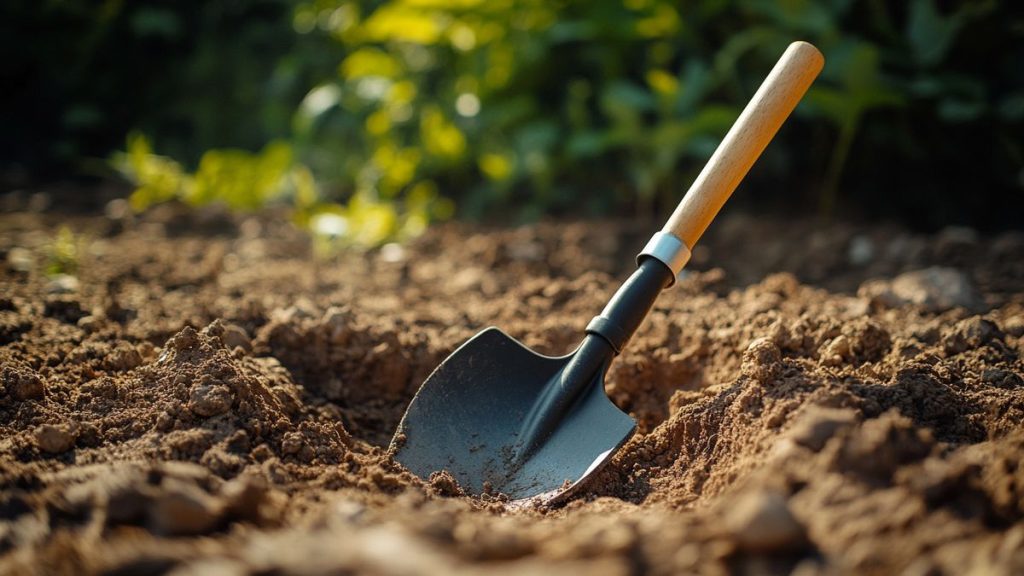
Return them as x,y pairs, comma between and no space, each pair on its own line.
62,284
762,360
971,333
861,251
818,424
54,439
117,209
182,508
935,289
762,522
20,259
235,336
836,351
392,253
210,399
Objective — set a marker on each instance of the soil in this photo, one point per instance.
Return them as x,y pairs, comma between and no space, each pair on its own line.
203,396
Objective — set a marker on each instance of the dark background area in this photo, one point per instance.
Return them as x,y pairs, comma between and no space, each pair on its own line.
520,110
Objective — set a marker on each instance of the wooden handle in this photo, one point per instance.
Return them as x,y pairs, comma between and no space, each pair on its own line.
757,124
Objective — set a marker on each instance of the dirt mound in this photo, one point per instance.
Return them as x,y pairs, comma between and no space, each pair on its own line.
204,402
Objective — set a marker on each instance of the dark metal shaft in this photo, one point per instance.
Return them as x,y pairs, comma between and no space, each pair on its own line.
607,334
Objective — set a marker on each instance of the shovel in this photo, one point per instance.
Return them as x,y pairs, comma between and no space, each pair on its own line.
508,422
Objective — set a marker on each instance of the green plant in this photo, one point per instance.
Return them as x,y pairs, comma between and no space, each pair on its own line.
63,252
545,107
517,109
243,181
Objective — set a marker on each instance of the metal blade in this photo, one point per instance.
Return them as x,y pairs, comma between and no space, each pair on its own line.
467,416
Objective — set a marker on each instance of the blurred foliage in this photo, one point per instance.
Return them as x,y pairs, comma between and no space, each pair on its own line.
522,108
243,181
62,254
550,107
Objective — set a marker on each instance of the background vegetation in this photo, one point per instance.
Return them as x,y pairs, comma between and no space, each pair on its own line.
373,117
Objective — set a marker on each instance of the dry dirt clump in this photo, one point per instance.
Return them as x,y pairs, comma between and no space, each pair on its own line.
204,398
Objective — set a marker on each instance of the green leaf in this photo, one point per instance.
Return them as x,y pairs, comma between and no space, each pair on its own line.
929,33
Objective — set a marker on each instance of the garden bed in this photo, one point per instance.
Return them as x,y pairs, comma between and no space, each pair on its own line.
203,396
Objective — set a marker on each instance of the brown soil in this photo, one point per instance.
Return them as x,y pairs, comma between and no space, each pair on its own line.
209,399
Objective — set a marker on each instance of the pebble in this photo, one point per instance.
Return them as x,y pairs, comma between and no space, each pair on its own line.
936,289
54,439
861,251
235,336
117,209
20,259
762,522
392,252
62,284
836,351
971,333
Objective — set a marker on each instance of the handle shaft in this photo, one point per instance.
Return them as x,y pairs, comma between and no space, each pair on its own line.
755,127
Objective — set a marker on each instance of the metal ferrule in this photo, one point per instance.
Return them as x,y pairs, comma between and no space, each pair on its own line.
669,250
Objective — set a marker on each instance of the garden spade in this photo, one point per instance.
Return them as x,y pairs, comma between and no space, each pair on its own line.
505,420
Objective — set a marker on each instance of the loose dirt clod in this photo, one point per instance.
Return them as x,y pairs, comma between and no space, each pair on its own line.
761,361
762,522
21,382
209,399
818,424
182,508
54,439
444,484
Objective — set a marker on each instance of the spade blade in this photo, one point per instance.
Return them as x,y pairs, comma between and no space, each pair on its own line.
468,419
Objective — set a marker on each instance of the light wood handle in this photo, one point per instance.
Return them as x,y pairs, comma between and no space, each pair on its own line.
757,124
